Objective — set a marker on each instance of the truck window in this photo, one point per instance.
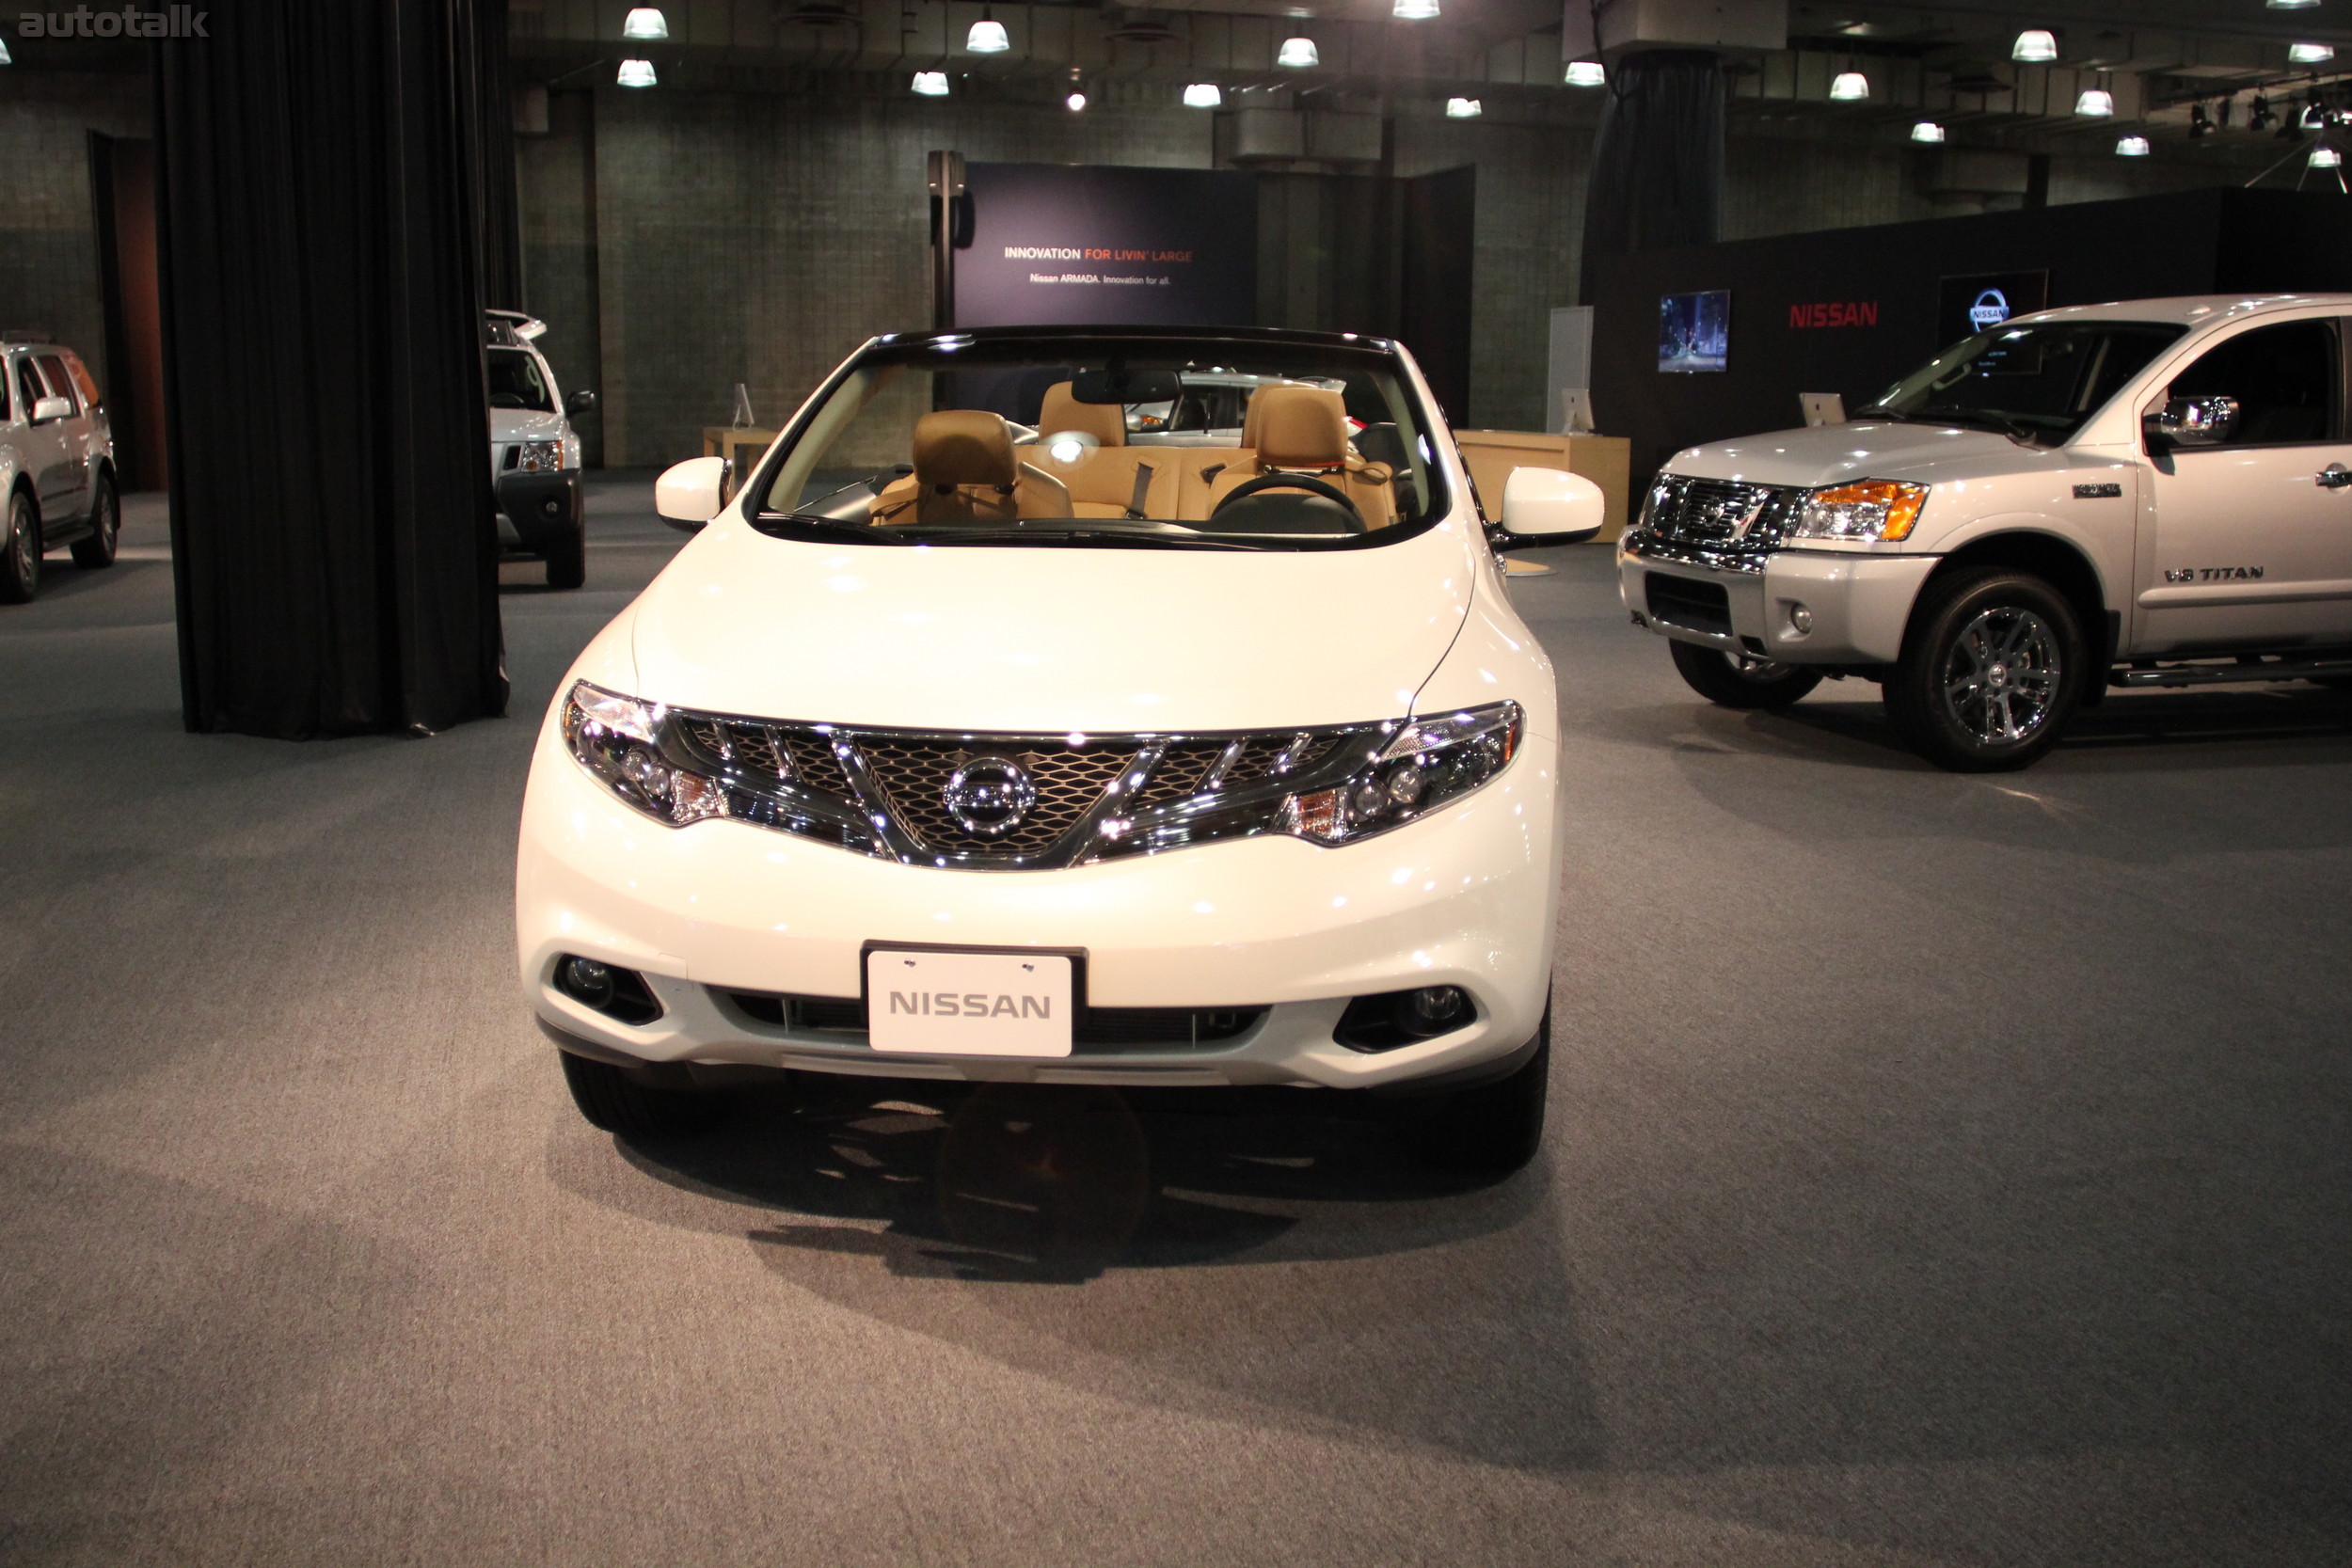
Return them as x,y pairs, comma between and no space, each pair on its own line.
60,383
2284,378
28,386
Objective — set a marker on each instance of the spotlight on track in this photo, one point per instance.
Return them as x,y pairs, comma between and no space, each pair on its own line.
2034,46
636,73
1298,54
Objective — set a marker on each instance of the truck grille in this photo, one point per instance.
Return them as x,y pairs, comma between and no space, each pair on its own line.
913,775
1717,513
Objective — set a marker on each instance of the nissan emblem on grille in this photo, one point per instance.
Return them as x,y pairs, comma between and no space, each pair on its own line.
988,796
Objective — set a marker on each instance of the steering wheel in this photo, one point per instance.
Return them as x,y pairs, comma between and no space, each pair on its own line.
1287,482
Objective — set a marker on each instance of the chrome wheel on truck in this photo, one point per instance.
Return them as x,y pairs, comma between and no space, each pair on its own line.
2001,678
1992,666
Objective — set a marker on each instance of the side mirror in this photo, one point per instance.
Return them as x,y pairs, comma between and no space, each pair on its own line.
687,494
581,401
2193,421
46,409
1548,506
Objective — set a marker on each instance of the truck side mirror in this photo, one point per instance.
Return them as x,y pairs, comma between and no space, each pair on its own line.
2193,421
581,401
1548,506
687,494
45,410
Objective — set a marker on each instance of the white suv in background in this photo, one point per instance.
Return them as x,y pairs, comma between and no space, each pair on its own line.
2155,493
56,464
534,454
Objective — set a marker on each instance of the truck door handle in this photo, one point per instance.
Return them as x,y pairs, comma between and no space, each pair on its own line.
2335,476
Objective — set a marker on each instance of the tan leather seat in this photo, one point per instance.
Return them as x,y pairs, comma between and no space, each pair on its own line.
1289,430
1110,478
965,470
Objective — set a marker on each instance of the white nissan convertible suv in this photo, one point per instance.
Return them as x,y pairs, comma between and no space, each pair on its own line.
985,736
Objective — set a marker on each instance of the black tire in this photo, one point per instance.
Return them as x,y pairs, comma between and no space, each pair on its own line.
1737,680
614,1100
19,551
1496,1127
567,562
1993,668
97,549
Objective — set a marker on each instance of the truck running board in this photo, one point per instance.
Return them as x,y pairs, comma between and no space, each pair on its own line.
2224,675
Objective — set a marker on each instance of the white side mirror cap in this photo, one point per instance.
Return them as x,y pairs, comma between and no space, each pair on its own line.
1550,506
45,410
687,492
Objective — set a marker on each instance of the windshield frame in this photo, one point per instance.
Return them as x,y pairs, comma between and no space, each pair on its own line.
2054,436
934,351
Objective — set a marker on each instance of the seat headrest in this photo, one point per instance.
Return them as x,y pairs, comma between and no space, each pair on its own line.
1061,412
963,446
1298,427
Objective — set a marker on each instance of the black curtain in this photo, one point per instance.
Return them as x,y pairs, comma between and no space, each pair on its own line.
1657,160
498,213
333,544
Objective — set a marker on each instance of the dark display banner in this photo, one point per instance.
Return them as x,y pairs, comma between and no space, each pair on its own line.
1981,301
1056,244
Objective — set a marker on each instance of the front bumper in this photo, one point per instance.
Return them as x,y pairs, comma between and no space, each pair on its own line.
1465,897
1860,602
537,510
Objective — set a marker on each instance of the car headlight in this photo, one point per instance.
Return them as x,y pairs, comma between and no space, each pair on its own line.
1423,766
1873,508
619,739
539,457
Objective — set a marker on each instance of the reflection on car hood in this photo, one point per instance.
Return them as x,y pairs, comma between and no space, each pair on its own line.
525,424
1839,453
1044,640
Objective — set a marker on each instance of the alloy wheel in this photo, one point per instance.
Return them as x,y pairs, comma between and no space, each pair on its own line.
2002,675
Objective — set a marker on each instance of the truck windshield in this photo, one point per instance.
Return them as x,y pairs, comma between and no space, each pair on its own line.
2036,381
515,381
1096,440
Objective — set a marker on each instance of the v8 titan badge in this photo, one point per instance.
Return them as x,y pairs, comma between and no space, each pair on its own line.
920,1002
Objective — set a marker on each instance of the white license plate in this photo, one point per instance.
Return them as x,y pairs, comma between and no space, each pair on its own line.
969,1004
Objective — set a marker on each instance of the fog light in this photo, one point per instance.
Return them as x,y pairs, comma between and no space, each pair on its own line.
1800,619
585,981
1399,1018
1436,1008
550,506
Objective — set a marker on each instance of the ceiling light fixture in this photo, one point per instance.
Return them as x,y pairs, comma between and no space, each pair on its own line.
1076,101
2132,147
646,21
2291,4
1464,108
1849,86
636,73
1927,130
5,58
1202,95
2097,102
930,84
1414,10
2326,157
1298,54
2035,47
2311,54
987,35
1587,74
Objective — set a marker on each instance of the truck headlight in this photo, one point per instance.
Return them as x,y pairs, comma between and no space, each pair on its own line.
539,457
619,740
1873,508
1424,764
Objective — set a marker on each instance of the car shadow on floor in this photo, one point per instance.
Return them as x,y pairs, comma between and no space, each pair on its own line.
1057,1184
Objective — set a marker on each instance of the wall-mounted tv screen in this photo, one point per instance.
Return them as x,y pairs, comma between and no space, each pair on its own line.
1694,331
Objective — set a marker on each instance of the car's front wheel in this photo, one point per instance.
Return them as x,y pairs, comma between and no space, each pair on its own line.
611,1098
105,529
20,552
1496,1127
1993,668
1735,680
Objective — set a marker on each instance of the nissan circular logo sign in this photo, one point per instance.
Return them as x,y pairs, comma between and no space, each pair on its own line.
988,796
1990,310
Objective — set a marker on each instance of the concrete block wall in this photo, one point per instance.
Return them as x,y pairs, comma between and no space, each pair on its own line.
49,276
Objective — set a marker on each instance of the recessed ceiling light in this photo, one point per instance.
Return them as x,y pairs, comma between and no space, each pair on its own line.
1298,54
646,21
636,73
1464,108
2132,147
1587,74
1849,86
930,84
2035,47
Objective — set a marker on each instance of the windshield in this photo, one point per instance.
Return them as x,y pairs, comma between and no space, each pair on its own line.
515,381
2037,381
1110,442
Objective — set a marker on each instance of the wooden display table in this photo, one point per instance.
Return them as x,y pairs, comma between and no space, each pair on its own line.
1606,460
726,441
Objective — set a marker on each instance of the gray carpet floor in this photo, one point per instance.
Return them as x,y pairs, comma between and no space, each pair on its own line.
1940,1170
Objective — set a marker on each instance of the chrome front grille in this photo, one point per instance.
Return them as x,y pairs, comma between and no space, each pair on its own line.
1716,514
887,791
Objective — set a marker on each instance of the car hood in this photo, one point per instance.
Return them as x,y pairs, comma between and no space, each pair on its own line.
525,424
1840,454
1045,640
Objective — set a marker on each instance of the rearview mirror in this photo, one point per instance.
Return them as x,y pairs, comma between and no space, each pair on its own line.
45,410
687,494
581,401
1126,387
2193,421
1548,506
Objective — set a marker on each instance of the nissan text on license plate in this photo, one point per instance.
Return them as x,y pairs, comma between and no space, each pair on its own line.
934,1003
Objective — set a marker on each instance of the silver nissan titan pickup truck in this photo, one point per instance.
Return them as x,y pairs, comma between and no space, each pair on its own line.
2153,493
